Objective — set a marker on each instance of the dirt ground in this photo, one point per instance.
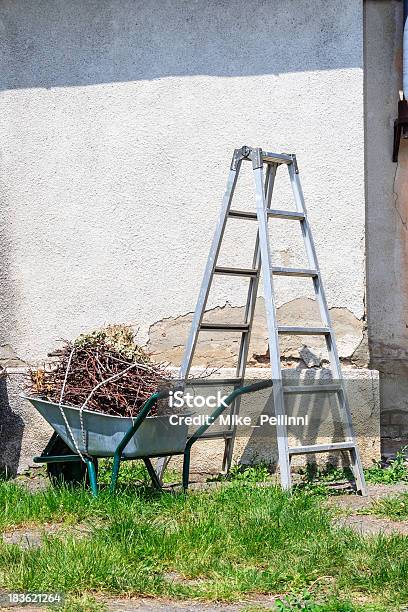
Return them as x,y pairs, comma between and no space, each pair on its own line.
367,524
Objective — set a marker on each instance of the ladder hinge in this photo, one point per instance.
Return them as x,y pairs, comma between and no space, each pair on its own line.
240,154
245,152
295,165
257,159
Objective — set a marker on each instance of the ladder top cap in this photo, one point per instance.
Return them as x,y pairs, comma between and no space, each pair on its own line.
256,155
280,158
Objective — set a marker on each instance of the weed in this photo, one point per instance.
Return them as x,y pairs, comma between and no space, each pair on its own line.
305,601
249,473
395,471
82,603
317,480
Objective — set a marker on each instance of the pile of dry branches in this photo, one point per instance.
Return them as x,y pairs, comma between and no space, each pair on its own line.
105,370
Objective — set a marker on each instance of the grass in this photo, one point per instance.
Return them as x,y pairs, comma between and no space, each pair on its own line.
82,603
226,544
245,473
318,479
394,507
223,544
133,472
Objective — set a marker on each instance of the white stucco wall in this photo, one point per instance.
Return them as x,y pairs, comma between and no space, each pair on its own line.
117,125
118,120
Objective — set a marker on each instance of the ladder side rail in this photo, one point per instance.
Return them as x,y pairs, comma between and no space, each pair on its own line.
209,270
318,286
248,318
254,282
313,263
266,265
325,315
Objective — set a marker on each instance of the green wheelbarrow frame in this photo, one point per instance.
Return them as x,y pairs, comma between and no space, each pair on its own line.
47,457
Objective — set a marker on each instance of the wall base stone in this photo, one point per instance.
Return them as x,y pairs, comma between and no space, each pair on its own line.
260,445
24,433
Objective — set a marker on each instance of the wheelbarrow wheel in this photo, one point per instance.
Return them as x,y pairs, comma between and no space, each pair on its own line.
71,472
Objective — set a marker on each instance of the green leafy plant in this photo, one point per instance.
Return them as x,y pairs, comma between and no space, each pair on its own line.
316,480
249,473
83,603
395,471
305,601
297,602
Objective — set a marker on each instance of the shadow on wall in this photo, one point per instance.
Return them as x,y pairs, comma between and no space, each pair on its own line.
11,424
320,420
313,418
65,43
11,433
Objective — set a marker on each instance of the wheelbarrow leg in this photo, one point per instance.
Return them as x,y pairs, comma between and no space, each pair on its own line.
186,467
92,477
115,472
152,473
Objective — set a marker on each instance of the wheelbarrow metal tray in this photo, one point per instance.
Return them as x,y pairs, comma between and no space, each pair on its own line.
103,432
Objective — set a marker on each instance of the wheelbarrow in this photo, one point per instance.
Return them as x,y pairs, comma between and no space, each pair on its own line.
72,456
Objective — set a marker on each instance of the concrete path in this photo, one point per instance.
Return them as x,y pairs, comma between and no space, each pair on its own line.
368,524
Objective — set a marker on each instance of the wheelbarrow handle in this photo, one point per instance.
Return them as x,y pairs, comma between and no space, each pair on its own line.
146,408
262,384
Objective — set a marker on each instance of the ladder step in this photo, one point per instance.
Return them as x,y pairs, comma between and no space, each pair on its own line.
235,271
198,382
303,331
321,448
276,158
239,327
242,214
294,215
294,272
285,214
212,435
312,388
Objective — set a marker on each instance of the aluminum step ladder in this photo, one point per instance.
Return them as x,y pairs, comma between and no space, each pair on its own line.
264,183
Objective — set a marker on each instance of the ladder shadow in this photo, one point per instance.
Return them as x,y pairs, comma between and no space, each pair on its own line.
312,418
